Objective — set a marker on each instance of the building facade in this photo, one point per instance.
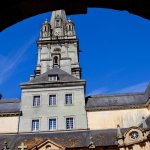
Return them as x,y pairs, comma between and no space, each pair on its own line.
54,112
54,98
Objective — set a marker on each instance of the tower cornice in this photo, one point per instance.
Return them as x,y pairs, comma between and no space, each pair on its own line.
53,84
58,41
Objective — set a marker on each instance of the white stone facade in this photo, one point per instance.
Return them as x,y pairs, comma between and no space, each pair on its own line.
67,54
60,111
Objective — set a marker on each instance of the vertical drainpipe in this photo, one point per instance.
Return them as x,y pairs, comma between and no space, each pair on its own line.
85,106
19,122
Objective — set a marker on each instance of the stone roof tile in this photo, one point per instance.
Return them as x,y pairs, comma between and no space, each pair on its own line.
62,76
69,139
9,105
115,100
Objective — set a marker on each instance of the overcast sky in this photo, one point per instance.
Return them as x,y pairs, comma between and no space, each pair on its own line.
115,53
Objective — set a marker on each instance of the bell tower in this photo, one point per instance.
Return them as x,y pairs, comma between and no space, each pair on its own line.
58,45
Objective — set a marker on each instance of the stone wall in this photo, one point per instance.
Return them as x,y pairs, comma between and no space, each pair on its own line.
9,124
110,118
44,112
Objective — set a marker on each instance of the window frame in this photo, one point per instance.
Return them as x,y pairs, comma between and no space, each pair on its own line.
53,77
52,118
73,124
52,100
68,104
56,60
36,103
32,127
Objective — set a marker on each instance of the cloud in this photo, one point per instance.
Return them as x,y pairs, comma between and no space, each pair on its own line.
9,63
141,87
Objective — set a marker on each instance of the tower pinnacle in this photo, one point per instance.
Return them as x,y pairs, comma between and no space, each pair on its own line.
58,45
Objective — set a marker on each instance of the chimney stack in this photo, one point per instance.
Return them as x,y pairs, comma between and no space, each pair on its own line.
31,77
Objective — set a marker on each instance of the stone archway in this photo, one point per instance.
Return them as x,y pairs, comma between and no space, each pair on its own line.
17,10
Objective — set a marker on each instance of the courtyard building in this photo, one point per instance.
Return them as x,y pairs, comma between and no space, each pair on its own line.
54,113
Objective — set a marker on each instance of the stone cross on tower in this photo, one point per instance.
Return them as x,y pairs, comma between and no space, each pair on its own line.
22,146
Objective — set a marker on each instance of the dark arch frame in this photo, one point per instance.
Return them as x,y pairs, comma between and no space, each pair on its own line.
14,11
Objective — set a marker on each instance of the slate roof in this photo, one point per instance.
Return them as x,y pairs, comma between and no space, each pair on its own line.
118,101
9,105
64,79
115,100
62,76
69,139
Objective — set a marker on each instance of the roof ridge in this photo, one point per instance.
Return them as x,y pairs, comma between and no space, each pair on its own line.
117,94
10,101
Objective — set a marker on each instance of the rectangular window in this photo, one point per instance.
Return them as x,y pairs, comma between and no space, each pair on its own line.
36,101
52,124
53,77
35,125
68,99
69,123
52,100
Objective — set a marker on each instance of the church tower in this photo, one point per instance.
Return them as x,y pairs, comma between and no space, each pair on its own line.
54,100
58,46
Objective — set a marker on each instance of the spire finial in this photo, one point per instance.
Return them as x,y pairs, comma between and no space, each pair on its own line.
46,20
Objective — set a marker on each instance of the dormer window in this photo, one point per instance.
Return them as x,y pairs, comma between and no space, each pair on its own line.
53,77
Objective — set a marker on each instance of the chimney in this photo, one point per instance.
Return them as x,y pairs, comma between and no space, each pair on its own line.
37,72
31,77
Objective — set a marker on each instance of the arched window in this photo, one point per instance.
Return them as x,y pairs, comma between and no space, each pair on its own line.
56,60
69,27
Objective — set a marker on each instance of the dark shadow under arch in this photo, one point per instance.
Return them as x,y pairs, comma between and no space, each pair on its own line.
14,11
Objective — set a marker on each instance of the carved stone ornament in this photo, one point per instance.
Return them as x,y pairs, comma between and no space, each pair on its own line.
5,146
